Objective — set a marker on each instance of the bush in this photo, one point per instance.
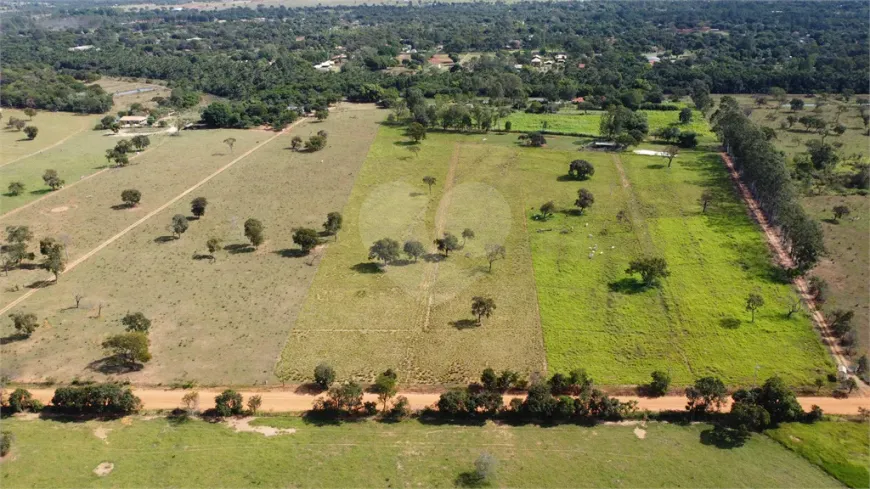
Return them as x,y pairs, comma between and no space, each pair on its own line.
20,400
109,398
5,443
228,403
660,383
324,375
370,408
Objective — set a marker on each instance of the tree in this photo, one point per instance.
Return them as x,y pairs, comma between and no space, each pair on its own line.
484,470
20,400
790,120
706,197
31,132
447,244
414,249
345,397
18,234
779,94
753,303
232,142
254,232
140,142
535,139
131,197
823,155
840,211
385,249
687,139
315,143
30,112
414,149
51,179
254,403
136,322
228,403
18,124
55,260
670,153
482,306
190,401
416,132
547,209
213,245
321,114
581,170
179,225
197,206
507,126
333,223
796,104
129,349
24,324
467,233
660,383
650,269
306,238
706,394
386,386
585,199
429,181
324,375
685,115
15,188
296,143
494,252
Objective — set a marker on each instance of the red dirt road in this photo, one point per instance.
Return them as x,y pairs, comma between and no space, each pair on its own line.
288,401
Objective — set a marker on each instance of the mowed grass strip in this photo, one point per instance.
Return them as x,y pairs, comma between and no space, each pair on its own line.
596,317
215,323
841,448
415,317
156,453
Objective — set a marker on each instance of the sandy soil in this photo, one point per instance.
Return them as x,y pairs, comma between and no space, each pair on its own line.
104,469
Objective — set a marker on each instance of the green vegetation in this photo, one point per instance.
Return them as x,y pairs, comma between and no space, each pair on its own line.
841,448
186,455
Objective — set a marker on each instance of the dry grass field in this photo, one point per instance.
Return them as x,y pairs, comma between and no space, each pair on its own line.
221,322
118,87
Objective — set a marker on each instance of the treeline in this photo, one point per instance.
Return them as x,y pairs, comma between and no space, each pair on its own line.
43,88
765,173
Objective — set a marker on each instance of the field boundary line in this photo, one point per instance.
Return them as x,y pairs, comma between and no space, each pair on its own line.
528,241
151,214
16,160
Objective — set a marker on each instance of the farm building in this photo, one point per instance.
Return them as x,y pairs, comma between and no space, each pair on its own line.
133,120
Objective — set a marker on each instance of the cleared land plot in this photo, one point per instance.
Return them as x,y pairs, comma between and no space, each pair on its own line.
415,317
842,448
596,317
221,322
120,88
54,128
198,454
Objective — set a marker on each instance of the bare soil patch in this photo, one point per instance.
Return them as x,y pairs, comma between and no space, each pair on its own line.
243,425
104,469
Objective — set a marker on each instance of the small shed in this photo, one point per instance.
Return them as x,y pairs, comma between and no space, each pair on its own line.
133,120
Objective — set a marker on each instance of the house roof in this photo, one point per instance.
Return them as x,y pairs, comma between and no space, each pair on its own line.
134,118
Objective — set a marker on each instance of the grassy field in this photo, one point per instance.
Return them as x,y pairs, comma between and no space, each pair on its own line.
156,453
415,317
214,323
54,127
840,448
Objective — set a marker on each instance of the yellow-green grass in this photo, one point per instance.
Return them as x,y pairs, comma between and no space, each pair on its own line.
53,127
841,448
415,317
214,323
157,453
122,102
596,317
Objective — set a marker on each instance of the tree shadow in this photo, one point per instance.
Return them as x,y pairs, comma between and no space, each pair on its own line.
39,284
192,218
464,324
627,285
724,438
831,221
470,479
405,143
164,239
309,388
113,365
291,253
402,262
657,166
433,257
568,178
367,267
41,191
199,257
729,323
121,207
235,249
12,338
415,194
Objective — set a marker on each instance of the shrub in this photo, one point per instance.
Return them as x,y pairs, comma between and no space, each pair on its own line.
20,400
109,398
324,375
660,383
5,443
228,403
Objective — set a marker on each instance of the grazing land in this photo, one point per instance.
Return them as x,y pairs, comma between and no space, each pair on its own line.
200,454
54,128
221,322
840,448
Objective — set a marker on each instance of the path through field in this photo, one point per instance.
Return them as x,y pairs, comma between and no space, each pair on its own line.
289,401
84,127
151,214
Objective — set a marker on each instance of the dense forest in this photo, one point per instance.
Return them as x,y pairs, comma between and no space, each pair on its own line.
262,59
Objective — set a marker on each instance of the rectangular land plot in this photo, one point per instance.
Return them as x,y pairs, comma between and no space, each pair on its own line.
221,322
54,128
596,317
415,317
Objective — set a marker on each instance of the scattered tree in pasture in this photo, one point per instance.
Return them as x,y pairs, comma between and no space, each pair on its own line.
790,120
18,124
178,225
414,249
51,179
585,199
213,245
131,197
484,470
24,323
706,197
670,153
796,104
818,289
19,401
78,298
129,349
386,386
230,142
254,232
140,142
254,403
753,303
197,206
429,181
18,234
840,211
650,269
229,403
507,126
482,306
685,115
534,139
306,239
333,223
385,249
31,132
706,395
660,383
321,114
494,252
296,143
414,149
30,112
55,260
324,375
15,188
580,170
447,244
315,143
547,209
467,233
416,131
136,322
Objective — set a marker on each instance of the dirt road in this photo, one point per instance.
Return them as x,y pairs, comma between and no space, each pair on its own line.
289,401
